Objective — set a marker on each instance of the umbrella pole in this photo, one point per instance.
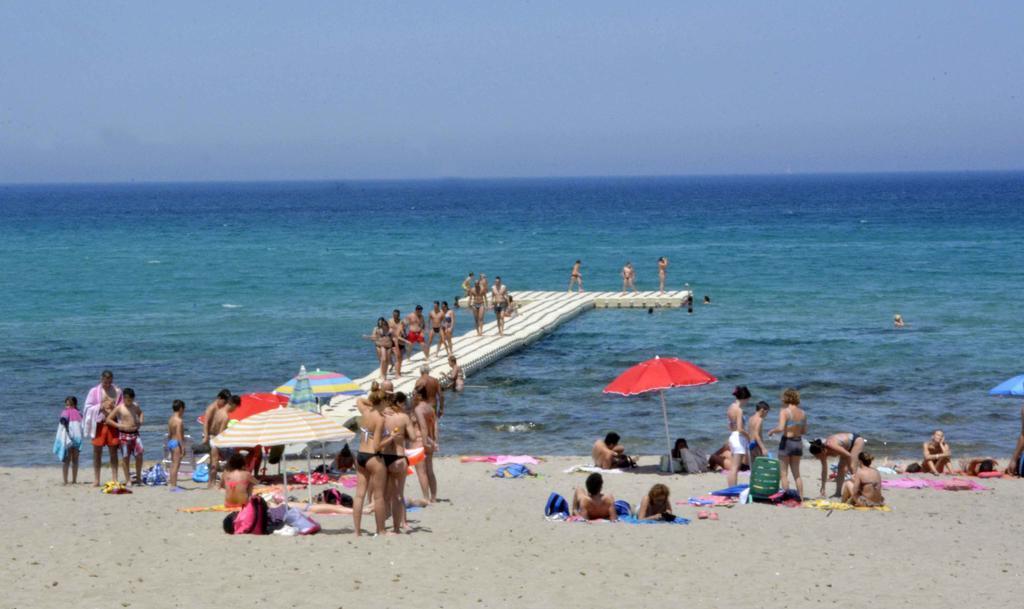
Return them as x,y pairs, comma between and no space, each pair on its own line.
309,467
668,438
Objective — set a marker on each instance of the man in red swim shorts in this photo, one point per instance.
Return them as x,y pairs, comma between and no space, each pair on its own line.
414,324
101,401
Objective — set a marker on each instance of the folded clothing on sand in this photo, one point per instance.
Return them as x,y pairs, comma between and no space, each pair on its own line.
590,469
827,504
709,501
209,508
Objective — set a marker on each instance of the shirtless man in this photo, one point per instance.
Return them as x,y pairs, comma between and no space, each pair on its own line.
468,284
499,298
936,455
435,397
754,427
576,277
99,403
219,403
455,374
738,438
424,419
415,323
176,441
592,504
215,425
628,278
127,418
609,454
662,273
399,339
436,316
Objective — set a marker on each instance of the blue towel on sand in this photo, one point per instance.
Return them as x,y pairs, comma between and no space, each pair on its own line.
732,491
634,520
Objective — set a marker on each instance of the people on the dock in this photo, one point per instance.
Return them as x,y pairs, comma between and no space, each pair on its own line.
127,417
864,489
591,503
936,456
846,446
738,438
793,426
656,504
414,325
371,475
456,377
628,278
609,454
436,316
175,442
754,428
68,443
99,403
499,300
381,337
662,273
399,340
477,301
447,328
424,420
237,481
576,277
435,396
467,285
511,308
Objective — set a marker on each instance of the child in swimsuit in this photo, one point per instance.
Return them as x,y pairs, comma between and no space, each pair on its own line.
175,441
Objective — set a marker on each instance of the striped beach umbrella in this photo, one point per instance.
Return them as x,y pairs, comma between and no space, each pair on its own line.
302,394
325,384
281,426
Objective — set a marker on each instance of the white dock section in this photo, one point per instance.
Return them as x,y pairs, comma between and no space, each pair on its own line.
540,313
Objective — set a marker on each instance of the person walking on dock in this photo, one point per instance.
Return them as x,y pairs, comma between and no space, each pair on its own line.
628,278
662,273
415,324
576,277
397,327
499,299
477,300
447,327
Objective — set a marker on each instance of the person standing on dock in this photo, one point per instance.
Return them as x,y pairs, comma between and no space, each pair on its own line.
436,316
576,277
477,300
415,324
397,327
467,285
447,327
499,299
662,273
628,278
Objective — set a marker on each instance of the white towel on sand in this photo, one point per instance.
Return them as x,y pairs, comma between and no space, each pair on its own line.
591,469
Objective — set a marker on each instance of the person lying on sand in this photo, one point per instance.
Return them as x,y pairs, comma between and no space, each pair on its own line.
977,466
656,505
591,503
864,489
237,482
936,454
609,454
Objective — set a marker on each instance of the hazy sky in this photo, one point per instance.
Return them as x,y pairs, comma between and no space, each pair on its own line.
113,91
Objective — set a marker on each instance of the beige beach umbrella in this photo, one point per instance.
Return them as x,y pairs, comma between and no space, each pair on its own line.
281,426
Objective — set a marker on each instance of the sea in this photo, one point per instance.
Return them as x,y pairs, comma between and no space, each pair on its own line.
183,289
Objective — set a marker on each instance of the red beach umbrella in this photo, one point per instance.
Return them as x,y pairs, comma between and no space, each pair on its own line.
255,403
659,374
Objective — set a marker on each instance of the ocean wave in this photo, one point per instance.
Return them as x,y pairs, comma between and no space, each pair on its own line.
228,305
519,427
153,262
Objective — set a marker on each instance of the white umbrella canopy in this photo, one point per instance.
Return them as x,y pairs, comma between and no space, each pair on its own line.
281,426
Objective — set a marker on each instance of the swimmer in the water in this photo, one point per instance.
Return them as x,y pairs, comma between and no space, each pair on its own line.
897,321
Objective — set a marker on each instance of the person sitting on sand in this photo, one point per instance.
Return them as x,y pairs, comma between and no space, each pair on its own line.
609,454
692,461
847,446
344,460
591,503
937,455
237,482
864,489
656,505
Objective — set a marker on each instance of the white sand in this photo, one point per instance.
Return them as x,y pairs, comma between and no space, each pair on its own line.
489,546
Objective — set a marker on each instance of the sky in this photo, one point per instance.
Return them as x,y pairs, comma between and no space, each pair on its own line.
197,91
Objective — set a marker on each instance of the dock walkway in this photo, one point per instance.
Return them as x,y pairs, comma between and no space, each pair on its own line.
540,313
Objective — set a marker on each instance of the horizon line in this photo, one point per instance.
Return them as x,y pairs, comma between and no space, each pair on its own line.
514,178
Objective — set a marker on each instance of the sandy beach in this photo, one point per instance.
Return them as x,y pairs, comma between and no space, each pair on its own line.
488,545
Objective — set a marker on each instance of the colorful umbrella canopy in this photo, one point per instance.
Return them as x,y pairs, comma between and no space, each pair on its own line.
254,403
1013,387
325,384
281,426
658,374
302,393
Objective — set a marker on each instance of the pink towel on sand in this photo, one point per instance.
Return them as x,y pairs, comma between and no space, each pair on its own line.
956,484
349,481
500,459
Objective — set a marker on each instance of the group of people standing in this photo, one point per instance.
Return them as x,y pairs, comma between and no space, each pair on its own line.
394,338
390,428
480,297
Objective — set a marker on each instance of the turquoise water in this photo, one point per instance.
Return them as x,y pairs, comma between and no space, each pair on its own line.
182,289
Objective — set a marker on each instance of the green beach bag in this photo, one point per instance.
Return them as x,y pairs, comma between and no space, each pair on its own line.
764,478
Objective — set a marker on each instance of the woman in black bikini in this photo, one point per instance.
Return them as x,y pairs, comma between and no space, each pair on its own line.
381,337
370,471
792,425
847,447
391,436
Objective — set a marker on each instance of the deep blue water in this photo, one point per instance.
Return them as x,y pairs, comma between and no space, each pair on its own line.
184,288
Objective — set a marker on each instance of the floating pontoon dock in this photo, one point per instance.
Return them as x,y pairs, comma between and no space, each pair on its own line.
540,313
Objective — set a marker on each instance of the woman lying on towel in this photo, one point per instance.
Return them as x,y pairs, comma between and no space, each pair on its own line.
592,504
865,488
237,482
656,505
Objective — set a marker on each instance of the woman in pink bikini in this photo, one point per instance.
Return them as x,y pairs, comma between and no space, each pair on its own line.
237,482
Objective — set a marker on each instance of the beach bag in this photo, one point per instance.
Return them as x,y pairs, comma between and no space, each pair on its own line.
154,476
253,518
512,470
764,478
556,506
202,473
622,508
